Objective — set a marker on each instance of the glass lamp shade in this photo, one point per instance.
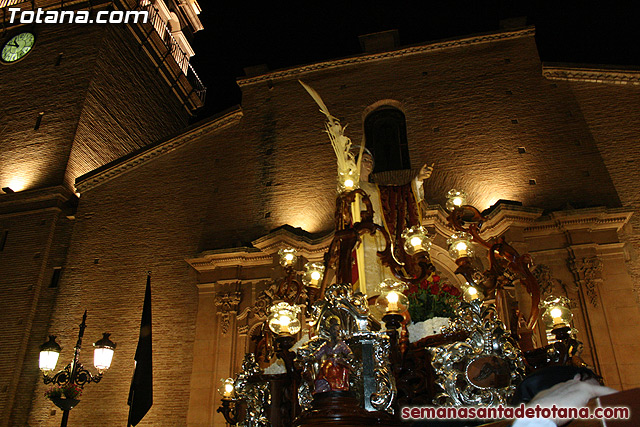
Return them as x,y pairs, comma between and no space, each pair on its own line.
227,388
460,245
471,292
284,319
455,199
49,353
313,272
557,313
288,257
416,240
103,352
391,299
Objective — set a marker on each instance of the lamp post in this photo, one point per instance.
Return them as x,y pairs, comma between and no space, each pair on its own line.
68,383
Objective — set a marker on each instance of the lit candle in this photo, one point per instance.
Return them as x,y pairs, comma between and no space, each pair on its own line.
228,390
416,242
315,277
392,298
556,314
284,324
461,247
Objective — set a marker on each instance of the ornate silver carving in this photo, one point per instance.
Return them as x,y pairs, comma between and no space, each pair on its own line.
352,310
386,390
482,370
371,378
227,303
589,272
254,393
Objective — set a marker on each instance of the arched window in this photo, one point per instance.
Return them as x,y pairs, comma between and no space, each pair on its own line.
386,137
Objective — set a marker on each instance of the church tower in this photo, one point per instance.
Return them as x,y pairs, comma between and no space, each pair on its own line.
75,96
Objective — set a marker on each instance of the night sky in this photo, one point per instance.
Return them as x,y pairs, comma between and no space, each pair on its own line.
283,34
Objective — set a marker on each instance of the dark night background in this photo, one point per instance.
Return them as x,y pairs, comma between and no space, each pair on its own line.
283,34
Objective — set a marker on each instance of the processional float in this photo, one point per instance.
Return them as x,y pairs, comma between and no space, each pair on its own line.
357,367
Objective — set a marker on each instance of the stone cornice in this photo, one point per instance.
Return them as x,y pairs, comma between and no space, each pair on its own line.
532,221
591,74
58,198
592,219
503,218
263,251
413,50
146,154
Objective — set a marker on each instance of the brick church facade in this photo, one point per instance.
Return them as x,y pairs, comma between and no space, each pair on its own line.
206,207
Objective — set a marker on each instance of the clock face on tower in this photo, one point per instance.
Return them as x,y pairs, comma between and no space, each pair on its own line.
17,47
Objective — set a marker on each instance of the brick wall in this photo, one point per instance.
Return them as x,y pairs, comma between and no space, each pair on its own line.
101,99
38,158
610,112
36,243
127,106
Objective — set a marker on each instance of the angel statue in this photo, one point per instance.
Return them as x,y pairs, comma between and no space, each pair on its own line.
395,207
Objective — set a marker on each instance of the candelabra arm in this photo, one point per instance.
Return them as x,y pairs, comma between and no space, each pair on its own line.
229,410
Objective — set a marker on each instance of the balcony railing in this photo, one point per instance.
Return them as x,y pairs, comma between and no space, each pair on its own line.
162,29
6,3
179,55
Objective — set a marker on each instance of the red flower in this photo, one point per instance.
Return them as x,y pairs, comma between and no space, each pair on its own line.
412,289
435,278
434,288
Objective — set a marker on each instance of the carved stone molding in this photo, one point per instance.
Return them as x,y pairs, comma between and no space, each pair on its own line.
263,251
544,276
263,301
598,74
448,44
142,156
227,302
636,286
589,273
542,273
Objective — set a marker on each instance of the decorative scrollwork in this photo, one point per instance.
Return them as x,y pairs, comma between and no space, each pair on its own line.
482,370
254,392
506,263
386,390
589,272
83,376
228,303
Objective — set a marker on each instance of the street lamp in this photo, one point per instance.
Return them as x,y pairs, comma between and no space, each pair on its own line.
68,383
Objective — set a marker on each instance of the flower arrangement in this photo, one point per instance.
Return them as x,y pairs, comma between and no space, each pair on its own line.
432,298
68,391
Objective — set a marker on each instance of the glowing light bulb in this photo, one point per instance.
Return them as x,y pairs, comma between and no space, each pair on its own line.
473,291
315,276
348,183
457,201
416,242
288,257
